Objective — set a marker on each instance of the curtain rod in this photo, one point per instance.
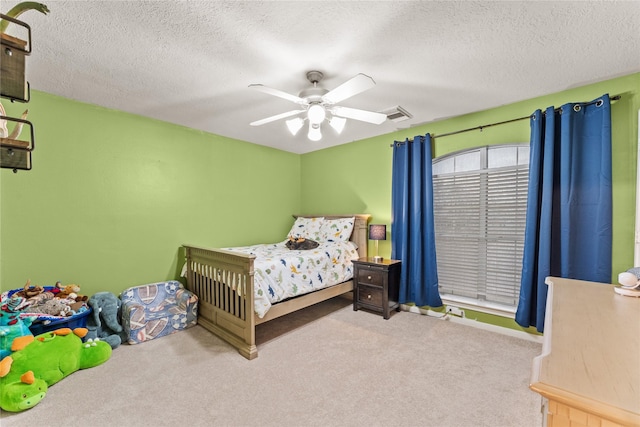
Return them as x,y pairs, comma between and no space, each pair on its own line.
613,98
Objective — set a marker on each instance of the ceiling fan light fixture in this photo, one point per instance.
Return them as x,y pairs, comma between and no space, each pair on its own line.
317,104
314,132
294,125
337,123
316,114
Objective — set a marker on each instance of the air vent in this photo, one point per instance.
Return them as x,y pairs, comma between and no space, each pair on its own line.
397,114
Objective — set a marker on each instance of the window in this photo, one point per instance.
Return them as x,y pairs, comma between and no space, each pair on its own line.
480,201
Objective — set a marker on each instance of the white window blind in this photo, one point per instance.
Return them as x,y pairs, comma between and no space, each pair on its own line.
480,199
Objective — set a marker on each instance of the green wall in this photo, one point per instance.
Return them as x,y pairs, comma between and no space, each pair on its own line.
360,173
112,196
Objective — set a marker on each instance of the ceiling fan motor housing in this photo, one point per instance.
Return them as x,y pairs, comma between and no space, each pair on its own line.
313,95
315,77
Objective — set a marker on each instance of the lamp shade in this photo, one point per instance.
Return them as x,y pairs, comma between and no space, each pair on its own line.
377,232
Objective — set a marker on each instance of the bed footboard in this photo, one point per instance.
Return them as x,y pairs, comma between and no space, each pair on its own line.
223,282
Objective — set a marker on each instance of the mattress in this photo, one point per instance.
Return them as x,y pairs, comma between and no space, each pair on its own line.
281,273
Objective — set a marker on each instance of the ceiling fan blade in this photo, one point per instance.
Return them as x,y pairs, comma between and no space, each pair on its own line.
276,117
356,114
278,93
351,87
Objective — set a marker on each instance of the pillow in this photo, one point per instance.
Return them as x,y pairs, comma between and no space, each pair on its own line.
308,228
337,230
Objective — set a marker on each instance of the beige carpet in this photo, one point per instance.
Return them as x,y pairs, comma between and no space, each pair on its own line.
324,366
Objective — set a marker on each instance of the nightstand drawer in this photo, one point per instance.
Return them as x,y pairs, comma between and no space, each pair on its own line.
370,295
369,277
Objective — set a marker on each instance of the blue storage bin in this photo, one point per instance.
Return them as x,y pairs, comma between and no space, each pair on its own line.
48,324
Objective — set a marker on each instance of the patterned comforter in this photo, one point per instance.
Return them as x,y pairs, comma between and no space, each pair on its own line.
280,273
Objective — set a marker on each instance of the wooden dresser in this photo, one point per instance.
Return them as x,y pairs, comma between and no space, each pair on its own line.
589,369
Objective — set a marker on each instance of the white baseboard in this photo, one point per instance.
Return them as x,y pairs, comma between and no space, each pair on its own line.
476,324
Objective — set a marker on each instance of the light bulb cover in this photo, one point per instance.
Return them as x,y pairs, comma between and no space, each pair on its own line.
316,114
314,132
337,123
294,125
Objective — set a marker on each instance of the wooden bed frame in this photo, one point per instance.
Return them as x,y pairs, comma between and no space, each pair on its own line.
223,282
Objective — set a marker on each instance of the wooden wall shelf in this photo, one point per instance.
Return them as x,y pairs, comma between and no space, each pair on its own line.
15,143
16,46
16,153
13,83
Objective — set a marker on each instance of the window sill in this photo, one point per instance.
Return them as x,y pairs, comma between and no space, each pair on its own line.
481,306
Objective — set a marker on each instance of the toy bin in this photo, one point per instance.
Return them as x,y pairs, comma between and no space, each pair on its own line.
47,324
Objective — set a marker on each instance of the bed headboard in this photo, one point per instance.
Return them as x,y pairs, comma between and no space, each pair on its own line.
359,234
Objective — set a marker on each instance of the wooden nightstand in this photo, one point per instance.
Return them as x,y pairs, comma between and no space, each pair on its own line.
375,285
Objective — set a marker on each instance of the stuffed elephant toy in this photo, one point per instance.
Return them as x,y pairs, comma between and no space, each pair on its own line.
104,323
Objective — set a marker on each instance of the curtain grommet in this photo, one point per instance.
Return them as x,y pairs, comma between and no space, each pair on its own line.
577,108
599,103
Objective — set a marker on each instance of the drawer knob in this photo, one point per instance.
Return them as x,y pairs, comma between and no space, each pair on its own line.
368,277
369,296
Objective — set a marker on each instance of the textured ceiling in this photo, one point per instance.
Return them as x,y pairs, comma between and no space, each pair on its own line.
191,62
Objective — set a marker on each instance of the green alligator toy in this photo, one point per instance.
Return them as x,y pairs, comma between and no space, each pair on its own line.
28,372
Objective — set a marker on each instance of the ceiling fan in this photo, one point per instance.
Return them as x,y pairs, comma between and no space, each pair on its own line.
317,104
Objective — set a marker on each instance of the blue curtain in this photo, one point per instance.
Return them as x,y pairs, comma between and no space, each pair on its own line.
569,220
412,224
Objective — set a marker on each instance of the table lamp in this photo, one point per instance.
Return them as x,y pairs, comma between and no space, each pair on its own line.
377,232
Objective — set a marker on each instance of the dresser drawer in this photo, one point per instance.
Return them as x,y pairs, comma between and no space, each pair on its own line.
370,295
370,277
